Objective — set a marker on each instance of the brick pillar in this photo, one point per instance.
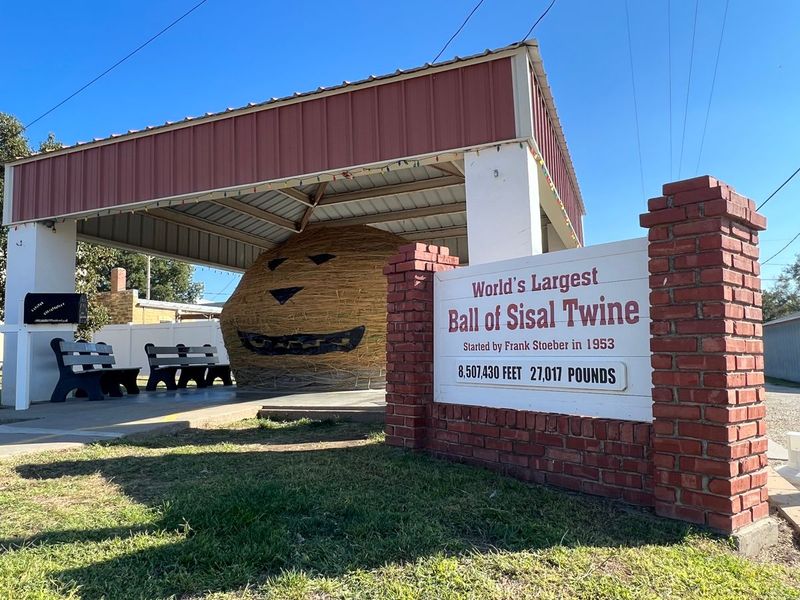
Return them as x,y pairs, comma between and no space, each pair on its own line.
409,340
118,279
709,444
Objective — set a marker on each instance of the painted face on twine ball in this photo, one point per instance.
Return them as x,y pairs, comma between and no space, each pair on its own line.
316,303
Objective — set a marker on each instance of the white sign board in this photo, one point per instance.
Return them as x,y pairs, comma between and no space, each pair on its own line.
565,332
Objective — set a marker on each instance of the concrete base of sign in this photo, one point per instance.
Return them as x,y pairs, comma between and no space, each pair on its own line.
752,539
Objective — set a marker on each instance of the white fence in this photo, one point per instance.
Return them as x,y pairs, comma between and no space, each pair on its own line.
129,340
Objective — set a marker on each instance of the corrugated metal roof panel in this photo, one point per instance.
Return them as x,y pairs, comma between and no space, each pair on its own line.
226,152
145,234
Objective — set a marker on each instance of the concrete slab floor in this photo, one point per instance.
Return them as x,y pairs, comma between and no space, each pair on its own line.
54,426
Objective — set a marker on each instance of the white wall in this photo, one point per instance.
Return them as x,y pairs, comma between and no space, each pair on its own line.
128,340
503,214
40,259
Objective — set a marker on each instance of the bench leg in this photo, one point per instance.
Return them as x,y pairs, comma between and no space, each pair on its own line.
61,390
110,386
166,376
93,388
217,372
192,374
129,381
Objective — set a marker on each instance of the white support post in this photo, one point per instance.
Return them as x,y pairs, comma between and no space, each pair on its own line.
503,212
40,259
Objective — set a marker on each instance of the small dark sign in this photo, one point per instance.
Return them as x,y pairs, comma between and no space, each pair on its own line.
55,308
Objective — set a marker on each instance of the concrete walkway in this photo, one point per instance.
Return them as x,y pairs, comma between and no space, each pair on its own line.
48,426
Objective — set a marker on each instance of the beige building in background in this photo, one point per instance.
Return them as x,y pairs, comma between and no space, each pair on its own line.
124,306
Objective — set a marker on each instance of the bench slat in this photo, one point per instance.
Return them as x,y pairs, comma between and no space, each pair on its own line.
86,347
179,361
88,359
187,350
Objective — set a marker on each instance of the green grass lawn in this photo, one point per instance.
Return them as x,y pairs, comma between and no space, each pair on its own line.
310,510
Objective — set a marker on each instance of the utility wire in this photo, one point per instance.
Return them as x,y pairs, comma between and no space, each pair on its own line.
782,249
713,81
669,79
688,86
535,23
116,64
452,37
635,107
780,187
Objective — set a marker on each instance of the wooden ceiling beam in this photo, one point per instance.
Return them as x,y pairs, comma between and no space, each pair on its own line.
256,213
181,218
391,190
396,215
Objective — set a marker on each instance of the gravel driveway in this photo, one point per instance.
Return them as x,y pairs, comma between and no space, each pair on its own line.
783,412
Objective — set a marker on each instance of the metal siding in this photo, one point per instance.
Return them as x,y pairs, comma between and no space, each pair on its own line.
419,115
267,148
246,150
782,350
313,139
391,120
554,158
457,108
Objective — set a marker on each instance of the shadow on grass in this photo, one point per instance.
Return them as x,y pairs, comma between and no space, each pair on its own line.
279,432
240,516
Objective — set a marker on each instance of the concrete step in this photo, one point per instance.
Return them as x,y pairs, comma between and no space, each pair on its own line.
367,414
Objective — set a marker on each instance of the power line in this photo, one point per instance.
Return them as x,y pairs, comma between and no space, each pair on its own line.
780,187
535,23
688,86
669,79
116,64
782,249
713,81
635,107
452,37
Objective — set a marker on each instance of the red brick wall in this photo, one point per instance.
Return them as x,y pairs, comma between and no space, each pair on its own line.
703,458
605,457
709,444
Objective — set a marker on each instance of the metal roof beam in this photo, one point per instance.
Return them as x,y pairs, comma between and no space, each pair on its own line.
181,218
295,194
318,194
435,234
396,215
449,168
391,190
255,212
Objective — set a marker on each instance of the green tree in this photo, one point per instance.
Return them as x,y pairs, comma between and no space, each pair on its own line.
170,280
12,146
784,297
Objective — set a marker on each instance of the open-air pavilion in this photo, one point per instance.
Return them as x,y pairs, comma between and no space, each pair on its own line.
467,153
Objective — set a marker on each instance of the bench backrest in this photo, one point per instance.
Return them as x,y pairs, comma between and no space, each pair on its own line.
180,355
84,355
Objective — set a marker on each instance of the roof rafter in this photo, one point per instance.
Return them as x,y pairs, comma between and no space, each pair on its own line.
255,212
391,190
203,225
396,215
435,234
310,210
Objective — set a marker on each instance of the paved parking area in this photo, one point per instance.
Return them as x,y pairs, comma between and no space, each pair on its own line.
783,412
49,426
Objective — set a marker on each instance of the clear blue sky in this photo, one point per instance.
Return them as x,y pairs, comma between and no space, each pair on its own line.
231,52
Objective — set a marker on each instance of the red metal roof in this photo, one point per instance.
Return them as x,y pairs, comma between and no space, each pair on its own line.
433,109
451,109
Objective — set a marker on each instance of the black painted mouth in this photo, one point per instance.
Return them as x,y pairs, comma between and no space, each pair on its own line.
302,343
